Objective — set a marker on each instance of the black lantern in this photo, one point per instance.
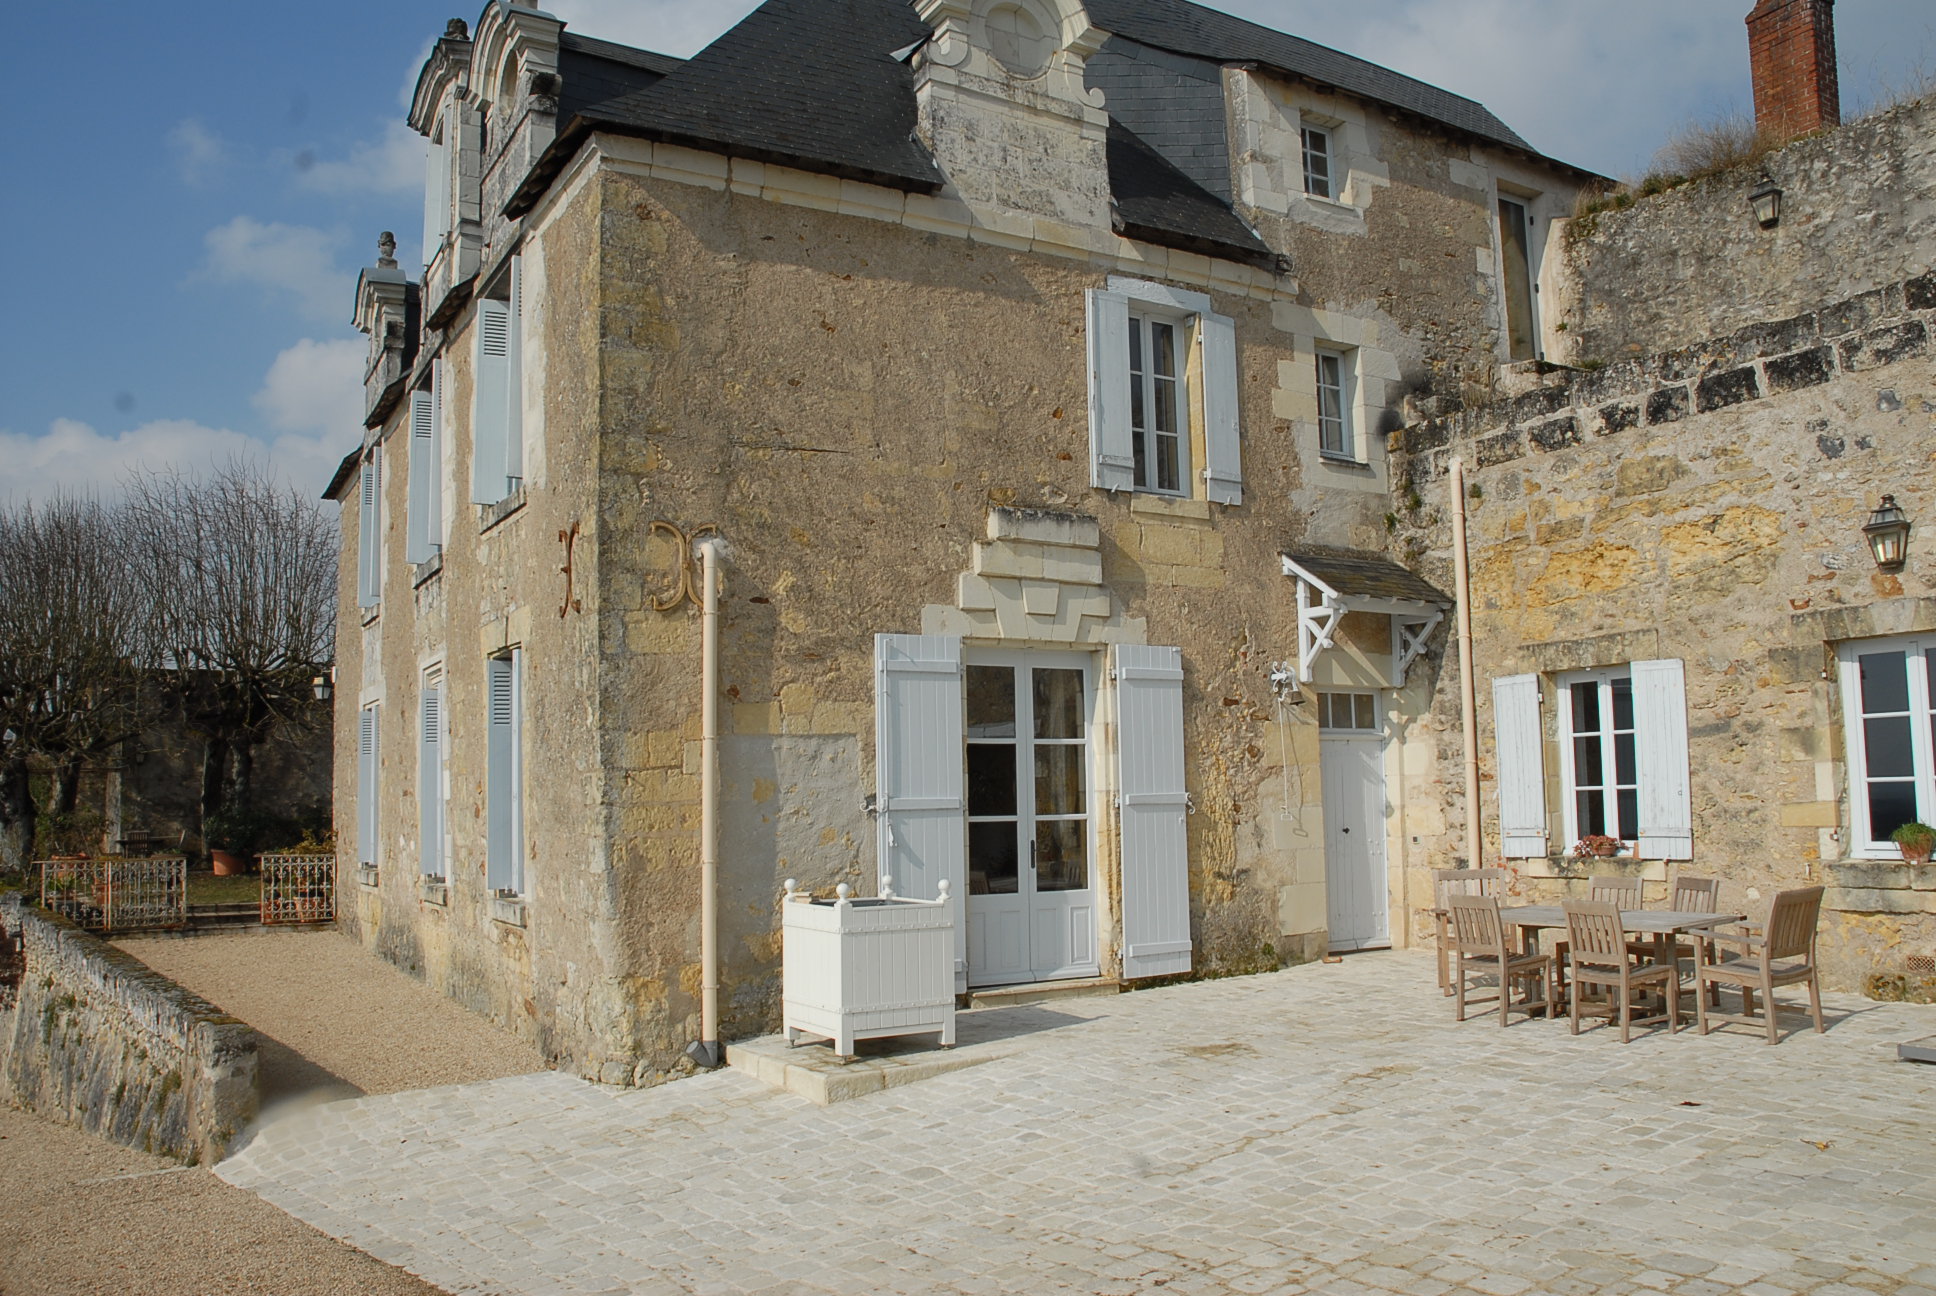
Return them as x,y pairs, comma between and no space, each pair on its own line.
1767,202
1888,532
324,686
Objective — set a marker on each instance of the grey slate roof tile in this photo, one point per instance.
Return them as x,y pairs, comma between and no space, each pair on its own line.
1368,575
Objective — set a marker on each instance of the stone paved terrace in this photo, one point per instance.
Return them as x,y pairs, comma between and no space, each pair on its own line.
1322,1129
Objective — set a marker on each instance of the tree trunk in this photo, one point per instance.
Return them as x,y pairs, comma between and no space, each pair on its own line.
241,778
215,763
17,812
67,787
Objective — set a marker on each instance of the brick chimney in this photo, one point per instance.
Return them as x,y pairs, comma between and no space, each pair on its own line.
1791,45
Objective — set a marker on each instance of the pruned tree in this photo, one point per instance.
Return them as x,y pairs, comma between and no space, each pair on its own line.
75,636
244,574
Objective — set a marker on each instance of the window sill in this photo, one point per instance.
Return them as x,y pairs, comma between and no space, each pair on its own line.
433,891
369,615
366,875
428,569
508,910
1343,461
489,515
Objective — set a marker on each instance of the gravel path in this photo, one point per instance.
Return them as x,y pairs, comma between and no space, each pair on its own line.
80,1216
336,1020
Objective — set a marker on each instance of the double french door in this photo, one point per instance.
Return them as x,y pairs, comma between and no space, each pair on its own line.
1031,822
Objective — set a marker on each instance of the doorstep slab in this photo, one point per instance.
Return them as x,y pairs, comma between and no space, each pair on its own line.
1922,1050
818,1074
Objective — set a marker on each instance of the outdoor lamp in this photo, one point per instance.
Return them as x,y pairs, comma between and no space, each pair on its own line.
324,686
1888,532
1767,202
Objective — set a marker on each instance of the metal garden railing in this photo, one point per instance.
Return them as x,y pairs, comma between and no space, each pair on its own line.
117,894
298,888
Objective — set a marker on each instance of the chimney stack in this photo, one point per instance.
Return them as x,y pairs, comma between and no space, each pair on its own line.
1791,45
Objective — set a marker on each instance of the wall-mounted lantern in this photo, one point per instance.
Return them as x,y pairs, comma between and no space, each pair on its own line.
1888,532
324,686
1767,202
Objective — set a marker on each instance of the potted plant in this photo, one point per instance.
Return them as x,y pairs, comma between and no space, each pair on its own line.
1596,845
1915,841
233,837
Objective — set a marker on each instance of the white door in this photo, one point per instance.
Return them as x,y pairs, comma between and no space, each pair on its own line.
1031,871
1351,763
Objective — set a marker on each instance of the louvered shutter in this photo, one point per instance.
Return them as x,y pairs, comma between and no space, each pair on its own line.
436,194
430,776
514,380
1522,767
420,540
1660,745
369,562
438,440
1223,469
919,773
1112,453
366,785
503,855
1155,837
489,420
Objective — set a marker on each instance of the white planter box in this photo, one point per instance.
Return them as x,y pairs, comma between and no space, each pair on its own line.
857,969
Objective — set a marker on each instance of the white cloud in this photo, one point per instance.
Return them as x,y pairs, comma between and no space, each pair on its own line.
678,27
74,457
296,261
316,387
391,164
199,153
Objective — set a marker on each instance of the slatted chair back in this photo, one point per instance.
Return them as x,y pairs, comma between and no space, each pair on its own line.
1475,925
1791,923
1593,932
1479,882
1623,892
1696,895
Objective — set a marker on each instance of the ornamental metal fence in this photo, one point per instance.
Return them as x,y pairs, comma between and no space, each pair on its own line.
117,894
298,888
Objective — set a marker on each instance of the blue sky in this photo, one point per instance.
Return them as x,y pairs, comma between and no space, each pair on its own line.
200,183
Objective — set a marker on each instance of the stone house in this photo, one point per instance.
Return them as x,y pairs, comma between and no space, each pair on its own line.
1034,362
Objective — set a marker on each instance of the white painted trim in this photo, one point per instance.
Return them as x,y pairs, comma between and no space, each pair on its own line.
1922,746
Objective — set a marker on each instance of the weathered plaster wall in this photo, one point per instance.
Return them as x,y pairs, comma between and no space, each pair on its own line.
98,1040
1692,263
1706,504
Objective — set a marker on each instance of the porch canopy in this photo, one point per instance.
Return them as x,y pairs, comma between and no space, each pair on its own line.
1332,582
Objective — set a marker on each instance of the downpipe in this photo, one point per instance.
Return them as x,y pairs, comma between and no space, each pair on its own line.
1468,689
706,1050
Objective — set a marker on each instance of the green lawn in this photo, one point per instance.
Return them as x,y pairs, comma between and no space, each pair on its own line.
206,888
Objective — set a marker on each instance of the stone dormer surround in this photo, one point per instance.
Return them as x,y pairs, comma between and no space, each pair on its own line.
513,87
443,93
386,308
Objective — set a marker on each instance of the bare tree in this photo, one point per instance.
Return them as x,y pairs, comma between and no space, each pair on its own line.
74,639
244,575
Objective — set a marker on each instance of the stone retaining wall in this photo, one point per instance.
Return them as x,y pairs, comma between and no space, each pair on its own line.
98,1040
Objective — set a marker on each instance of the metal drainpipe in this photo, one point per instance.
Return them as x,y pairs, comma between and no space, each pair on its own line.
1468,691
706,1050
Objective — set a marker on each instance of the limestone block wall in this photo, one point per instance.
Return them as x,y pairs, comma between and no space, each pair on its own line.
1693,263
98,1040
1706,504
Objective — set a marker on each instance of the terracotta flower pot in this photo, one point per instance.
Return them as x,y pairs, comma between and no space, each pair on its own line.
228,863
1914,854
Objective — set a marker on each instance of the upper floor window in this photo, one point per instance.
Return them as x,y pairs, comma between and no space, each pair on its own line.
1317,162
1516,282
437,191
1889,699
1337,393
1163,395
369,530
497,423
424,534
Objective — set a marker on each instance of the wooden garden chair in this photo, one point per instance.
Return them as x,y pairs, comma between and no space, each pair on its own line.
1451,882
1694,895
1782,955
1598,955
1479,947
1621,892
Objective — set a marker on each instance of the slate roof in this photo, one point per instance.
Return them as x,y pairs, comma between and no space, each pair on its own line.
1157,203
1367,575
594,72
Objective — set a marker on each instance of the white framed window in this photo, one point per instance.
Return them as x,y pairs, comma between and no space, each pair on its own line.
1889,707
1599,756
1622,738
504,772
432,792
369,530
368,781
424,527
437,191
1317,163
1348,712
1163,398
1337,385
497,419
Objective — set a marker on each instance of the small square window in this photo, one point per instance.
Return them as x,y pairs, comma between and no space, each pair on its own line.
1317,162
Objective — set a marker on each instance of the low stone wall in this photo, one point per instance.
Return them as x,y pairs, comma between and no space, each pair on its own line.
98,1040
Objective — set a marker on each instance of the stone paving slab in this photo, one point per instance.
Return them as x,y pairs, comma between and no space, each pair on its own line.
1319,1130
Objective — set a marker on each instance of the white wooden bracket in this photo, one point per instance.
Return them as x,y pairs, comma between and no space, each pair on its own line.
1409,634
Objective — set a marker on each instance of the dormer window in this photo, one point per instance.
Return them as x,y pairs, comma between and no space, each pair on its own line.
1317,163
436,192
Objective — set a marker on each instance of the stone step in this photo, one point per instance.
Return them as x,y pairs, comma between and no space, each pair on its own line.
1922,1050
1043,992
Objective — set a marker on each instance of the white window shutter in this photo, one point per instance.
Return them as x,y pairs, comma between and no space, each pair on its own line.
430,781
489,419
1155,837
436,195
501,793
1660,743
369,569
514,378
1522,767
366,785
420,540
1223,469
920,773
1112,452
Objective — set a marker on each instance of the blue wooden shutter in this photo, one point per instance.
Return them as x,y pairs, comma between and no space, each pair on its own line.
491,404
920,773
1155,836
1660,744
1223,469
430,776
514,379
1112,453
369,533
439,439
504,869
366,785
420,541
1522,767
